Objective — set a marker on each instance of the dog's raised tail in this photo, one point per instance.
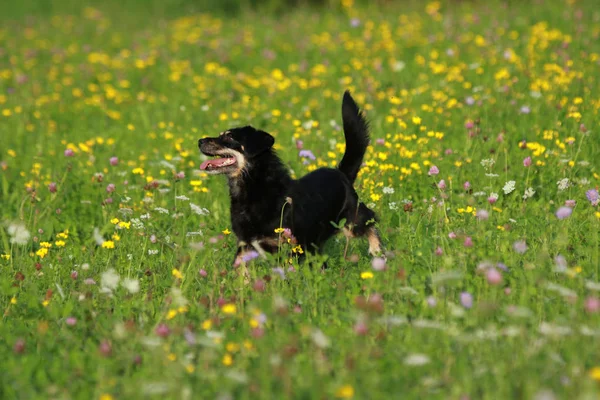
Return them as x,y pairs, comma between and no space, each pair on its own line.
356,132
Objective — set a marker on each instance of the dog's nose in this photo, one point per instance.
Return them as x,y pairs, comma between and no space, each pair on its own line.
200,141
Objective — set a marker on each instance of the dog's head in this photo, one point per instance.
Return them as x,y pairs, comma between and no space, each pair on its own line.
234,149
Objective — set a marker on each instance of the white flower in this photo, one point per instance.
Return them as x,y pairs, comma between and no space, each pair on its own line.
152,252
109,281
398,66
137,224
132,285
494,196
488,162
319,339
393,206
177,296
388,190
198,210
18,233
528,193
145,216
98,237
479,194
563,184
509,187
416,360
182,197
161,210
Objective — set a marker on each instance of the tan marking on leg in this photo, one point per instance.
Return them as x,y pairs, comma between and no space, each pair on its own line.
258,248
374,242
347,232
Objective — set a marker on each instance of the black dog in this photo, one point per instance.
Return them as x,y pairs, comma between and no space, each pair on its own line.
260,185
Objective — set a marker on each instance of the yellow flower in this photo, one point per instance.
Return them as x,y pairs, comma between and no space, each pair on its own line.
416,120
63,235
45,303
46,244
229,308
116,237
13,300
366,275
5,256
190,368
109,244
597,214
595,373
171,314
138,171
123,224
172,357
345,392
226,232
60,243
42,252
278,230
114,221
227,360
106,396
177,274
207,324
232,347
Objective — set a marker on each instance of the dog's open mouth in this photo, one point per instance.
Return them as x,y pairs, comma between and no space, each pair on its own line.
217,163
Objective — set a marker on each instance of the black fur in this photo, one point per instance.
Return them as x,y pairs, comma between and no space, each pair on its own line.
260,185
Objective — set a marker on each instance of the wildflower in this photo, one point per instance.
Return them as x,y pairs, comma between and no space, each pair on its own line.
199,210
345,392
279,271
320,339
442,184
520,246
595,373
18,233
52,187
5,256
416,360
109,280
110,187
493,197
307,154
114,221
493,276
71,321
466,299
468,242
226,232
69,153
176,273
366,275
162,330
527,162
452,235
227,360
378,264
564,212
132,285
433,170
592,304
467,185
525,110
529,192
563,184
482,215
509,187
570,203
60,243
42,252
593,196
108,244
229,308
388,190
114,161
439,251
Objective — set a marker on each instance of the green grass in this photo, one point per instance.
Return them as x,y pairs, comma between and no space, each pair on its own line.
448,87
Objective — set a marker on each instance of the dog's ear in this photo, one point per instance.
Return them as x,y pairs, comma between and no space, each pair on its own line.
258,142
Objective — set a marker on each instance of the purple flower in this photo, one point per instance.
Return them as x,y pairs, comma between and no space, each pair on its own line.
520,246
279,271
110,188
69,153
502,266
469,124
162,330
493,276
467,185
52,187
439,251
431,301
380,141
114,161
525,110
468,242
202,273
433,170
71,321
355,22
442,184
593,196
527,162
470,101
466,299
564,212
452,235
378,264
482,215
251,255
180,175
570,203
307,154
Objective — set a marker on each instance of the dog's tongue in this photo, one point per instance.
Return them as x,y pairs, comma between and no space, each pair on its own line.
214,162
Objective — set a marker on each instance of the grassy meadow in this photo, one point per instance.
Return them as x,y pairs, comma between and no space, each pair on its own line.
116,277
